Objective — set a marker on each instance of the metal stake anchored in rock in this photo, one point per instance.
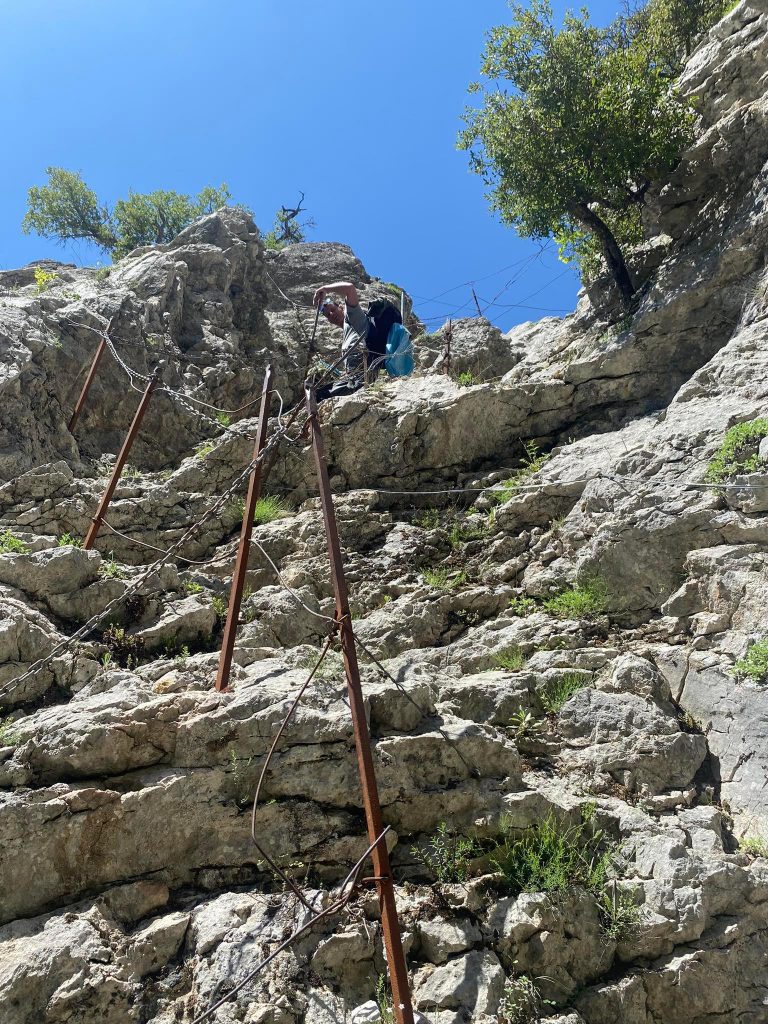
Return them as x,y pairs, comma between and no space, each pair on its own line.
398,972
122,458
241,563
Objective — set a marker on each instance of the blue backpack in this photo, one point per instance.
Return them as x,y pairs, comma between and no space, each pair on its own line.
399,352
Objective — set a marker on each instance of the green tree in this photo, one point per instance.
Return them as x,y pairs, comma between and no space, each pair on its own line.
67,208
672,28
574,125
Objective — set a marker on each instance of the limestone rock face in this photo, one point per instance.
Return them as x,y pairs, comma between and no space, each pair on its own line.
566,639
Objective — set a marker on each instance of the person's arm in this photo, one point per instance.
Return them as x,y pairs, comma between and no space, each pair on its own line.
344,288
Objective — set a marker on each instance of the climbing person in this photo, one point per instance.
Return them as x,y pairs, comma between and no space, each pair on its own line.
355,325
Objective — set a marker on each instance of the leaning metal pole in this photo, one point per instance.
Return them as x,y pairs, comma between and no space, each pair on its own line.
398,972
241,563
122,458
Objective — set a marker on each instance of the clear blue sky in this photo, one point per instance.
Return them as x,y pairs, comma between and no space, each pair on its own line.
355,103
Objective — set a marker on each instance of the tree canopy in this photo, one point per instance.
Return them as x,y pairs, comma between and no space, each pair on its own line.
574,125
66,208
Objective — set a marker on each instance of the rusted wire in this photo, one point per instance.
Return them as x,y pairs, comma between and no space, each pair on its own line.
336,907
278,871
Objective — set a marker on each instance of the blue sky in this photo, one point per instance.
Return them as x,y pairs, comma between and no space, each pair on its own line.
355,103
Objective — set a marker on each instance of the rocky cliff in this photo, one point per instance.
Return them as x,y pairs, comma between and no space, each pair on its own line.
560,596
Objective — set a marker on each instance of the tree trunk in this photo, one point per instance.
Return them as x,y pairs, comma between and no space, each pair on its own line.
617,265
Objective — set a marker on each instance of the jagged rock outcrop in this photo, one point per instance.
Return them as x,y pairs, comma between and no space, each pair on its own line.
558,630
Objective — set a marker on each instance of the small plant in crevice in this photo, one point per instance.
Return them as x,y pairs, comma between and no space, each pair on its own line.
755,846
8,738
11,545
586,600
754,665
204,448
522,606
443,578
521,1001
131,472
462,533
467,379
68,540
448,855
192,588
112,570
123,648
619,914
532,463
560,689
223,419
239,767
220,605
429,519
739,452
384,1000
523,725
44,279
511,660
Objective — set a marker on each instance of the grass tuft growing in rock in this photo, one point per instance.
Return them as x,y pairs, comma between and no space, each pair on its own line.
755,846
738,454
10,544
558,691
586,600
522,606
443,578
754,665
68,540
511,660
8,738
270,508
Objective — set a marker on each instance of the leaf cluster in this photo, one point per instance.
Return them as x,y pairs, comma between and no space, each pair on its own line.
66,208
738,453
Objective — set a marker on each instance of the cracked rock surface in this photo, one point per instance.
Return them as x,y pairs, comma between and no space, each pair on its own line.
550,641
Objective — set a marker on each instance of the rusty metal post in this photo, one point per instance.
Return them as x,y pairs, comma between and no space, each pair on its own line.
398,972
241,563
87,386
122,458
447,349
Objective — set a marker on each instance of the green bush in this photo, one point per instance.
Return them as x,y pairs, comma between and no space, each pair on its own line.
448,855
551,857
558,691
738,454
586,600
68,540
754,664
10,544
521,1002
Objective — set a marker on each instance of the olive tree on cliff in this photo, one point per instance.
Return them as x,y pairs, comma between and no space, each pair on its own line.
66,208
574,125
